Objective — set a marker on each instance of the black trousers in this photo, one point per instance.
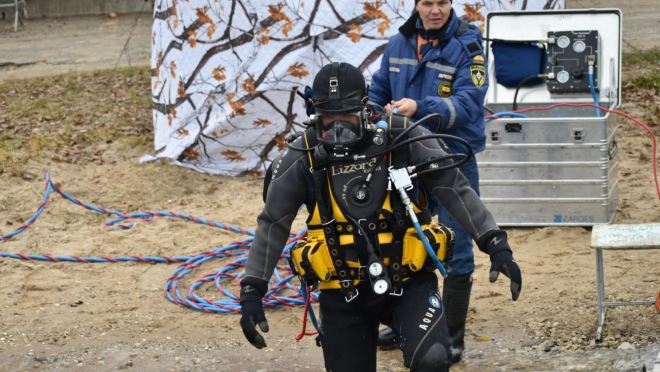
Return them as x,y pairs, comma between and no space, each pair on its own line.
350,329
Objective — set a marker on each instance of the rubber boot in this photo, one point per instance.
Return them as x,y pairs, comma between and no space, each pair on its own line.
387,339
456,299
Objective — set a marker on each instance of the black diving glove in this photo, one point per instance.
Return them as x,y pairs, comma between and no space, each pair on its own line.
252,311
496,245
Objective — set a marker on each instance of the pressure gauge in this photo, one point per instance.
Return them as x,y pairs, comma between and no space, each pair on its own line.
563,41
375,269
579,46
380,286
563,76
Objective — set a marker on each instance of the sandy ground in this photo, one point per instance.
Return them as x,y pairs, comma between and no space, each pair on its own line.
107,316
113,316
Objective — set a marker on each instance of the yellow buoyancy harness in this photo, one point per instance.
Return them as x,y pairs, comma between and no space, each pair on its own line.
330,253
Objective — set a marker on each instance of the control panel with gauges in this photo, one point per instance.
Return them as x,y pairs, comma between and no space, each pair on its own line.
572,57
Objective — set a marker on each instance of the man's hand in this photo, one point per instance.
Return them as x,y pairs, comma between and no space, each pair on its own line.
252,311
495,243
406,107
503,262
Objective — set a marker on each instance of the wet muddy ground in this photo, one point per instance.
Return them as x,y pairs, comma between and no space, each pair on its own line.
170,355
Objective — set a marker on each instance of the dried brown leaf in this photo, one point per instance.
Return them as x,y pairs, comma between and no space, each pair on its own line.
261,122
472,12
298,70
232,155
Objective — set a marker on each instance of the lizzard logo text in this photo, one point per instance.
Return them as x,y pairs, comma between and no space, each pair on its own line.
352,168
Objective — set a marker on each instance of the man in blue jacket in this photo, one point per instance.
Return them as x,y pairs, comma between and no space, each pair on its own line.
436,65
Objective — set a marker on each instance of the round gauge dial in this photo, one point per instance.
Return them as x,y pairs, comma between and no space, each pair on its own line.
375,269
579,46
380,286
563,41
563,76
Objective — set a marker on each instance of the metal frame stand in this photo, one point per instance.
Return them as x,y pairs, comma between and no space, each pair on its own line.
17,11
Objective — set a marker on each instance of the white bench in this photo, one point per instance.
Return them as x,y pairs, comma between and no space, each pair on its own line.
619,237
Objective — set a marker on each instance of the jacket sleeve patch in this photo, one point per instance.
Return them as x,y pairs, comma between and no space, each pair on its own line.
478,74
478,59
444,89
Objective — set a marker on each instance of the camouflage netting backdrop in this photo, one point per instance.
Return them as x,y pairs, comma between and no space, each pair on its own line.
225,72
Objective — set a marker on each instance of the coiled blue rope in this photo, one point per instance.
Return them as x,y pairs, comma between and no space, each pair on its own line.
232,271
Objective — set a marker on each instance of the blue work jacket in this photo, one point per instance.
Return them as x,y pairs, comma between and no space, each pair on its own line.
450,80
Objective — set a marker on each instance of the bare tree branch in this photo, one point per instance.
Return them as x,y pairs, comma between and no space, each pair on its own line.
164,14
373,56
550,4
328,35
263,156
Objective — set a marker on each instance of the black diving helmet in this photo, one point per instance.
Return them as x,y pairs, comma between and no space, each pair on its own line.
340,97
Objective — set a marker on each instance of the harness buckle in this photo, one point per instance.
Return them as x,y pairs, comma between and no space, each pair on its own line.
352,298
362,272
360,223
398,294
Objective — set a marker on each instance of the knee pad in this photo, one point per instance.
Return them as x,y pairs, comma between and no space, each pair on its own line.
435,360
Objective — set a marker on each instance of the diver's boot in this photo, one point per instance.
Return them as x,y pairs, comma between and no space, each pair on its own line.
386,339
456,299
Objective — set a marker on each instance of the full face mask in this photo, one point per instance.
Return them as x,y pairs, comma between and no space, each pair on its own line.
340,133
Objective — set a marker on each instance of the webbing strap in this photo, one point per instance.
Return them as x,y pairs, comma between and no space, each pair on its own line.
450,243
399,160
337,252
370,225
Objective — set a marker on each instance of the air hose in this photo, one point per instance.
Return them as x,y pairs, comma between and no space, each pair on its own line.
591,86
402,182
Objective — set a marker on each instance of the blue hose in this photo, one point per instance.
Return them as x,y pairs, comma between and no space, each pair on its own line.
430,251
401,184
506,113
593,92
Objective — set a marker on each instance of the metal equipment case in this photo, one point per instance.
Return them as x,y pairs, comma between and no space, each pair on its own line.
557,166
